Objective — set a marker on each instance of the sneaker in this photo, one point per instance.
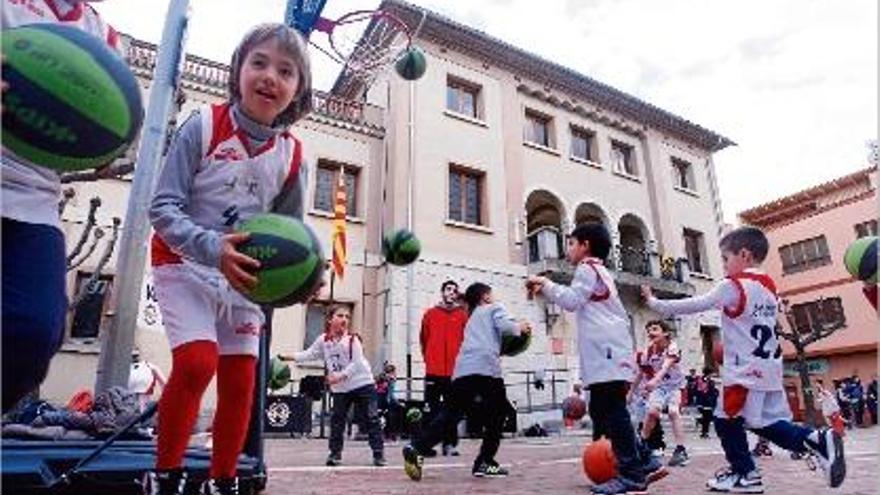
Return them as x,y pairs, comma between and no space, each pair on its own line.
654,470
429,453
172,482
620,485
729,482
412,463
762,449
379,460
450,450
490,470
827,450
221,486
680,457
334,460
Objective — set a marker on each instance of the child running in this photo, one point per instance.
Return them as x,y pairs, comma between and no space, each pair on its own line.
751,372
606,355
477,386
662,379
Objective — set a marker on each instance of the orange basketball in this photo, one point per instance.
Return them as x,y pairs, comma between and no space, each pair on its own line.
600,465
718,352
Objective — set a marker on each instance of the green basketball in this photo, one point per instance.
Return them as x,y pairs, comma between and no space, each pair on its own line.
291,259
412,64
860,259
72,103
279,374
414,415
512,345
401,247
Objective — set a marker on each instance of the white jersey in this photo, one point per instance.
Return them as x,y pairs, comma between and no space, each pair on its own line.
605,344
30,192
232,183
752,353
345,355
651,361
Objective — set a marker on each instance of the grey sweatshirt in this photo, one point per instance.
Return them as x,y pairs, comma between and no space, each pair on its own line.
480,352
170,210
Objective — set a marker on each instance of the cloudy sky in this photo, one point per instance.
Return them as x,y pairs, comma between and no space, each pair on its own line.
793,82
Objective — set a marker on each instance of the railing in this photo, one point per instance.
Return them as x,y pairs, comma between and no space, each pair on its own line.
644,262
213,77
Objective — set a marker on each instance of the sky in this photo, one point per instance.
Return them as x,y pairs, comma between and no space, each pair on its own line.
792,82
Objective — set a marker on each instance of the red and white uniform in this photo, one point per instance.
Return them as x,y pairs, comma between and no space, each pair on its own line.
344,355
30,192
230,184
752,371
603,326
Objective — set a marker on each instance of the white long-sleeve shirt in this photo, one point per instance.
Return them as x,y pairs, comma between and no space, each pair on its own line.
605,344
344,356
749,308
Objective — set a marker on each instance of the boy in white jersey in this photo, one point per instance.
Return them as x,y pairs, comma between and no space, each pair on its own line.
350,379
663,379
34,298
751,373
606,355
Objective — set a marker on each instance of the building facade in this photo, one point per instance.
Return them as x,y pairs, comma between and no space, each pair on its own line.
809,232
491,158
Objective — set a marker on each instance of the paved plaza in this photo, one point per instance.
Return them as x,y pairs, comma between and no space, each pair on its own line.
543,466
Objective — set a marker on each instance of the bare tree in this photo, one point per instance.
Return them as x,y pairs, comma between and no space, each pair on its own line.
801,338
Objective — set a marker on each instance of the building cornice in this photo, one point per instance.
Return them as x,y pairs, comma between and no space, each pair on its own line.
806,203
445,32
211,77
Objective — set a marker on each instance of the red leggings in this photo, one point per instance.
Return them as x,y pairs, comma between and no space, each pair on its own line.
193,366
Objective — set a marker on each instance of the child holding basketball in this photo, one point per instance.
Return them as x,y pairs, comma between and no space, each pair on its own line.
477,386
663,379
34,295
751,372
350,379
606,357
227,163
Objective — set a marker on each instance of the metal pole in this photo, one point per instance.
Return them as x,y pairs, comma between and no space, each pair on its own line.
410,274
116,344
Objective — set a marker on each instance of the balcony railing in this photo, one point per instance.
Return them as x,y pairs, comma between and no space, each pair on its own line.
630,265
212,77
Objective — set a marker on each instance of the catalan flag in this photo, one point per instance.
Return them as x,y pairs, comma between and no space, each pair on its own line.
339,247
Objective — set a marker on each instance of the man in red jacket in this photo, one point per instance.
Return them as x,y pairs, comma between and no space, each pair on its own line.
441,336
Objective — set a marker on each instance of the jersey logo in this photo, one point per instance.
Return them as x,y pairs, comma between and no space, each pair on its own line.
247,328
30,6
231,215
228,153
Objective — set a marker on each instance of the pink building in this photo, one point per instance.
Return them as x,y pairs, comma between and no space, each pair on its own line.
809,232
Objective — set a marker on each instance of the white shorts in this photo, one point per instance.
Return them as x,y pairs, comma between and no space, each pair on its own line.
757,407
661,398
198,303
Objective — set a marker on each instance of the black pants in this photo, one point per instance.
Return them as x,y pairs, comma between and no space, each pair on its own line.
611,419
705,420
438,393
365,403
474,395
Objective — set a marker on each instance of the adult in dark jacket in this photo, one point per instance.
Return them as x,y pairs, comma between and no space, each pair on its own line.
441,336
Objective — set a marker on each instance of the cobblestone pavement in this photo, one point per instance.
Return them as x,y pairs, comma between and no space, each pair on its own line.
542,466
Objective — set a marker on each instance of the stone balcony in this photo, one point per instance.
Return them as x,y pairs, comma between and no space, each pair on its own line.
630,267
210,77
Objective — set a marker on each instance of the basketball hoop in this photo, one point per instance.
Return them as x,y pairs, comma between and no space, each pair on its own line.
364,42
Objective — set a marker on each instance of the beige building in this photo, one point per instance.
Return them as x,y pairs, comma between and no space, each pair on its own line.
502,153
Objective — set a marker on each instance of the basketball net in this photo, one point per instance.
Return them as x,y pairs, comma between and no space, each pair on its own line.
364,42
